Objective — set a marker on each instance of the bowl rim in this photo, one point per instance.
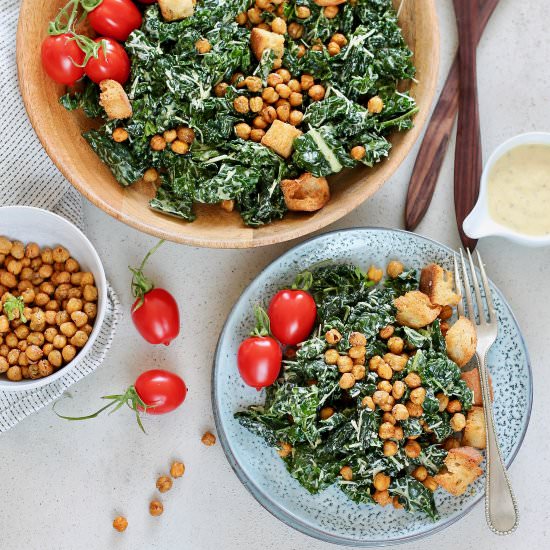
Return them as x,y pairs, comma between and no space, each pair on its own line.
306,226
13,387
291,519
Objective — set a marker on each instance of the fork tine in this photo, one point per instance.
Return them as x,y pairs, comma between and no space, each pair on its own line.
480,306
458,286
488,296
467,291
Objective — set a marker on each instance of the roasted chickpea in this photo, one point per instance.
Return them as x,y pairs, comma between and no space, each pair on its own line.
331,357
358,372
382,498
306,82
170,135
283,112
13,356
79,339
326,413
333,49
414,410
241,105
396,345
443,401
278,25
458,422
295,30
420,473
412,380
256,104
268,113
68,353
330,12
4,365
340,39
257,134
358,152
38,321
345,363
375,274
55,358
90,293
47,255
451,443
18,250
90,309
384,385
390,448
14,374
375,362
220,89
302,12
11,340
375,104
269,95
273,79
454,406
14,267
347,381
4,324
164,484
412,449
388,417
316,92
368,402
385,371
8,279
180,147
208,439
386,430
61,317
418,395
79,318
381,481
394,269
177,469
157,143
120,523
185,134
347,473
400,412
22,331
149,176
156,508
242,130
120,135
430,483
386,332
285,450
68,329
203,46
5,246
333,336
296,117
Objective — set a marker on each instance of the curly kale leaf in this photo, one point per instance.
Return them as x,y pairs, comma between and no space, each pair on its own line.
168,202
414,496
87,100
320,152
403,283
126,167
432,458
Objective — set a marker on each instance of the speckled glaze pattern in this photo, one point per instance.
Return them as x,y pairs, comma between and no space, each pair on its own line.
330,515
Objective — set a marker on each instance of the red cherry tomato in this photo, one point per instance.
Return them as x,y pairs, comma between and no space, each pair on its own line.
115,19
113,65
161,390
61,57
158,318
292,314
259,360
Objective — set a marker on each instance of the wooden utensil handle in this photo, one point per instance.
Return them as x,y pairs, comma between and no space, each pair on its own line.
467,169
436,138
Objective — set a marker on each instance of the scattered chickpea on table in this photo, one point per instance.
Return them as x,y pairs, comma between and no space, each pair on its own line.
48,306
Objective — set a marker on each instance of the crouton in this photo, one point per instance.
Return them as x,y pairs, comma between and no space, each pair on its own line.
324,3
415,310
173,10
461,340
438,285
474,432
472,380
461,468
114,99
261,40
306,194
280,138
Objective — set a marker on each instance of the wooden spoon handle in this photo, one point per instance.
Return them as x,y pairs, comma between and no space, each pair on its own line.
467,169
436,138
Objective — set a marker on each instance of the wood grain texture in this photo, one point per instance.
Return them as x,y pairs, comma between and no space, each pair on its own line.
60,133
436,138
467,168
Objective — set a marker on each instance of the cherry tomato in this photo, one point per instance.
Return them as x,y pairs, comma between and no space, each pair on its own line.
158,318
115,19
292,314
113,65
61,57
161,390
259,360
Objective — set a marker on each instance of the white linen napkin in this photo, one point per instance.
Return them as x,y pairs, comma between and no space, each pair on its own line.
29,177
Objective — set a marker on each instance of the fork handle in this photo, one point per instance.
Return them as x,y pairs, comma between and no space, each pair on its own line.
501,509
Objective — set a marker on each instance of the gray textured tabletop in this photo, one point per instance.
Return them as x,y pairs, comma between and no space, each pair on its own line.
62,482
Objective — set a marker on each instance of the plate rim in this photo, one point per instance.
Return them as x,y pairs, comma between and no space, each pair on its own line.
283,515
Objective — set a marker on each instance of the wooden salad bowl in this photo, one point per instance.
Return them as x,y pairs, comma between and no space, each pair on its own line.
60,133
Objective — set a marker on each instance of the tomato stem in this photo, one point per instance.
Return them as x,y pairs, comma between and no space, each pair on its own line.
262,327
141,285
90,5
66,18
130,398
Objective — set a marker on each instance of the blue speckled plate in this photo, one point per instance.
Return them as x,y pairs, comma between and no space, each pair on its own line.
330,516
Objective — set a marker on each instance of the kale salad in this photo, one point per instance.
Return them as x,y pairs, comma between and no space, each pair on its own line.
250,104
372,400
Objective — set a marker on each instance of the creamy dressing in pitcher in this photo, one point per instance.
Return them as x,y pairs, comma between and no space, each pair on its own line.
518,189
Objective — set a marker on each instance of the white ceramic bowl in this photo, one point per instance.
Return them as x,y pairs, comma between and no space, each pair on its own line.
479,222
27,224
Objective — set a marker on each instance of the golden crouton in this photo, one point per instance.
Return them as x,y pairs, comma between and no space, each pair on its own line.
324,3
172,10
280,138
461,340
415,310
472,380
114,100
261,40
438,285
306,194
474,432
461,468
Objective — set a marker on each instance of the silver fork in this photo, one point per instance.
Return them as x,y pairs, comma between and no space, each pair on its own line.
501,509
